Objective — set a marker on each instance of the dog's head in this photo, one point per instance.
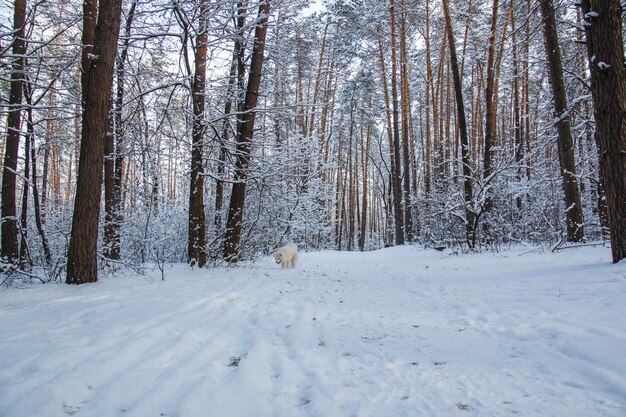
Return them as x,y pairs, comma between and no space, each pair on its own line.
279,256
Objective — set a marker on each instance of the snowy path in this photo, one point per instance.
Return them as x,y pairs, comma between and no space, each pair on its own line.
398,332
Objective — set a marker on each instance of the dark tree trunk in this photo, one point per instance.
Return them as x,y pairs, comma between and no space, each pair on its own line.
10,250
30,131
574,213
111,248
470,215
38,215
219,183
113,154
33,163
90,15
196,249
392,158
245,130
406,137
605,51
396,181
365,199
517,119
82,258
235,86
490,105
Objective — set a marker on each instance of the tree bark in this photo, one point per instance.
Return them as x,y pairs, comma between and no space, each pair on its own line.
221,163
565,142
33,163
113,154
490,104
518,146
364,205
30,132
605,52
10,250
245,130
396,175
470,216
406,137
82,258
427,105
90,15
318,77
196,245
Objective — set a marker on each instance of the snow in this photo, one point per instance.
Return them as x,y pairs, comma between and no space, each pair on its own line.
398,332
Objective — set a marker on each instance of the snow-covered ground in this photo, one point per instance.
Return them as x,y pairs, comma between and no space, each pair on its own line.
397,332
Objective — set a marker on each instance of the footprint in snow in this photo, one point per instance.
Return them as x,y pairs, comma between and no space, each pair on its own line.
463,406
70,409
234,360
304,402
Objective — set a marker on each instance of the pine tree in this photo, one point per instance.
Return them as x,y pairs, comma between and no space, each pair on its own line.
245,130
82,258
605,53
9,219
565,142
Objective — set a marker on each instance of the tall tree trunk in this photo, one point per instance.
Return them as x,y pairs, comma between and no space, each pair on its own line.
90,15
33,163
277,78
233,92
427,96
364,205
396,175
526,89
221,163
350,177
82,258
565,142
30,132
14,120
316,86
196,245
392,156
113,154
605,51
245,129
326,106
470,215
490,102
518,146
406,137
339,192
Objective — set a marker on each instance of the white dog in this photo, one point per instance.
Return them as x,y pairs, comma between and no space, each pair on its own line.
287,256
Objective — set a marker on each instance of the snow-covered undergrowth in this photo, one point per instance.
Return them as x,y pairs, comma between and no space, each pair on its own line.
397,332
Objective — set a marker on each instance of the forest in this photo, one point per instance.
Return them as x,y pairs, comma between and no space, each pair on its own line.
214,131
